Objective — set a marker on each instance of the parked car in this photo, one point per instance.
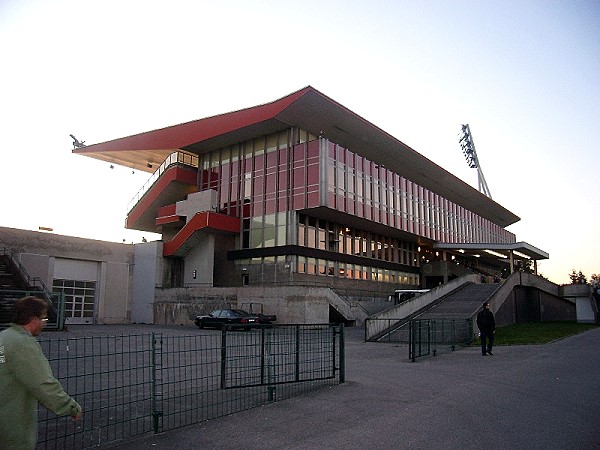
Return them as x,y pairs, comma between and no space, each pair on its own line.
220,317
257,310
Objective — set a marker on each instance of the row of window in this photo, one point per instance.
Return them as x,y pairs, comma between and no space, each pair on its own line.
327,268
330,236
255,178
264,231
363,188
280,172
323,267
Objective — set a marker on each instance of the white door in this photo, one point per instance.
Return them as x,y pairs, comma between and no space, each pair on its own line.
77,280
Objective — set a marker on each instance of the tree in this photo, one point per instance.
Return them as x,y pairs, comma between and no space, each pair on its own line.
526,266
595,282
577,277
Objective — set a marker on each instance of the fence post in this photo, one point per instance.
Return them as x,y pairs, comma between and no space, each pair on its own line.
156,413
297,353
271,365
470,329
342,355
262,355
411,340
60,311
420,334
223,356
432,335
453,335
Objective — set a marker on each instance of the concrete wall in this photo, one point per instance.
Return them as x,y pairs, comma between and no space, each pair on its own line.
114,303
290,304
146,275
180,306
525,297
225,272
196,202
37,265
587,311
587,307
39,252
200,261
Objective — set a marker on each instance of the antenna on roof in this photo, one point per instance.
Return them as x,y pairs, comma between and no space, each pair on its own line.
76,143
468,148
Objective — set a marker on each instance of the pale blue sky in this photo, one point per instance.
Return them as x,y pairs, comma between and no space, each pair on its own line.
523,74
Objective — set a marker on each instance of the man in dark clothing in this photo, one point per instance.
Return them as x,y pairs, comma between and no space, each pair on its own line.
487,328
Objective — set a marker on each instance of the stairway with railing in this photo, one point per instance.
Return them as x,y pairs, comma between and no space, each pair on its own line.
15,283
458,300
174,158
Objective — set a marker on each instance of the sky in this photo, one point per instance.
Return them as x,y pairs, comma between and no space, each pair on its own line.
523,74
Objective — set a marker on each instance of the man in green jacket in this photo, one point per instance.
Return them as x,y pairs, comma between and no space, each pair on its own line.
26,378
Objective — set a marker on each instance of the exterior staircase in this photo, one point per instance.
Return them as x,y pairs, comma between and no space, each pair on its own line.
15,283
458,308
462,303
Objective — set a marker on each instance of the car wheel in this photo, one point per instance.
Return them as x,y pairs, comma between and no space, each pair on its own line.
200,325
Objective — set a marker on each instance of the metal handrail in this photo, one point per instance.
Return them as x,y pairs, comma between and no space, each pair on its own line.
57,320
174,158
31,281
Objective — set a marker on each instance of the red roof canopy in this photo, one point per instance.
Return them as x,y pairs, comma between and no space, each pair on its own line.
311,111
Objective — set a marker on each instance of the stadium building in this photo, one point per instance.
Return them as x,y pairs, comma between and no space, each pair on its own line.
304,190
298,204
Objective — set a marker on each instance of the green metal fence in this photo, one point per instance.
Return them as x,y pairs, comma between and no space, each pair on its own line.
56,313
132,385
387,329
429,336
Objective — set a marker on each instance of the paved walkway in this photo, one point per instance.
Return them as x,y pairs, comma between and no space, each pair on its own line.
533,397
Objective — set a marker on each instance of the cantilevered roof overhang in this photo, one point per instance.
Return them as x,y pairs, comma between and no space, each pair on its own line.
519,250
314,112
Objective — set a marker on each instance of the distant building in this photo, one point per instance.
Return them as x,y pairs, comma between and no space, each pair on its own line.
95,277
304,191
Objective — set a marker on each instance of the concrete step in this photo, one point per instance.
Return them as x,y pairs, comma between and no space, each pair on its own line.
461,304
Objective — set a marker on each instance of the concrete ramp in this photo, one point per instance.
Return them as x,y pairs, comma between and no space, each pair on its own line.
380,324
522,297
462,303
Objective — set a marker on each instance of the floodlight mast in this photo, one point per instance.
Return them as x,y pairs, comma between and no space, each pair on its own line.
468,147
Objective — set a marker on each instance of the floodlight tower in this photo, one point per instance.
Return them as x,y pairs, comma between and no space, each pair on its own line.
468,148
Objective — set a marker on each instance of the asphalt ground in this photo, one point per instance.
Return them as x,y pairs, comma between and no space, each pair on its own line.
523,397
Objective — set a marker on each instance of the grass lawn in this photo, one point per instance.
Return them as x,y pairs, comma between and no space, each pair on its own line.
536,333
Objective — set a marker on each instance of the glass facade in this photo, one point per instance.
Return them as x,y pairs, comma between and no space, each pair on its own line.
365,189
271,182
338,239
